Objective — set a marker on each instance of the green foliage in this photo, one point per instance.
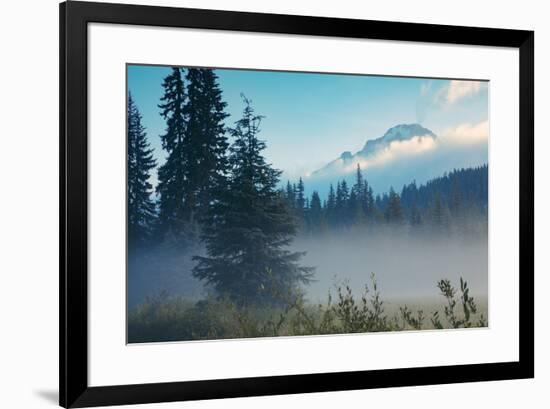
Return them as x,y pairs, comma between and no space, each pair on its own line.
363,315
141,208
249,226
414,322
467,302
195,143
436,322
205,142
315,218
171,178
163,318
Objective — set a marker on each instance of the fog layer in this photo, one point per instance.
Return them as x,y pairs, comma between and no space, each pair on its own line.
407,265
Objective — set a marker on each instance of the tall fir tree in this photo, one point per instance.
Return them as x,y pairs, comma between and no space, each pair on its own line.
370,205
205,143
141,208
250,227
342,203
290,195
330,208
171,175
301,203
315,213
300,195
358,198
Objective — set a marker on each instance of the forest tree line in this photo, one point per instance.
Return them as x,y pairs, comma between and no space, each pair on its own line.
442,203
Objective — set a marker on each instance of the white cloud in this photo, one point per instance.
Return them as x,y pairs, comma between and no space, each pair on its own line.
444,97
457,90
395,150
467,134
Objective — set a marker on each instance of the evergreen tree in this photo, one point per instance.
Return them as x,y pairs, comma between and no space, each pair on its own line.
342,202
290,195
205,142
378,202
300,197
394,211
358,198
359,185
249,226
196,145
439,212
330,208
171,176
456,198
141,208
300,203
370,208
415,218
315,213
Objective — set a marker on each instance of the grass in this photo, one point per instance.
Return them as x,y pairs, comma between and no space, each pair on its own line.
164,318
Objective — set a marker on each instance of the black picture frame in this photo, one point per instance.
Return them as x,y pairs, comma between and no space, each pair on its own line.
73,348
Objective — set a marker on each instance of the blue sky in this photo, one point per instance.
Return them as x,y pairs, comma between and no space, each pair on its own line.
310,119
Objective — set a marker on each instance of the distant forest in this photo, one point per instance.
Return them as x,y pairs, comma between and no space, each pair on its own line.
217,191
456,200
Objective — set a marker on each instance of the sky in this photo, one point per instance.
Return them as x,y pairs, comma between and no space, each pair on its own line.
310,119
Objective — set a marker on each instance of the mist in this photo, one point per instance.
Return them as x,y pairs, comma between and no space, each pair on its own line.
163,269
407,265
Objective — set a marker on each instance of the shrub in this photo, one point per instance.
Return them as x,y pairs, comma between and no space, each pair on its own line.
164,318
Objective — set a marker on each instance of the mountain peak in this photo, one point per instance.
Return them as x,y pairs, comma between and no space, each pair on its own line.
373,147
406,129
398,133
346,156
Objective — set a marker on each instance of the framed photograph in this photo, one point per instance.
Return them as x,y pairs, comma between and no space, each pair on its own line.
256,204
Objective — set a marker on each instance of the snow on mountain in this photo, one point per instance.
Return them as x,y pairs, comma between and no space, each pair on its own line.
397,133
404,153
397,141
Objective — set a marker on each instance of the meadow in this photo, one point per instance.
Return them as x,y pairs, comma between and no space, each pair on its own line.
165,318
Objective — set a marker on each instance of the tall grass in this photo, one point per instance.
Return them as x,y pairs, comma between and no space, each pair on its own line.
163,318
